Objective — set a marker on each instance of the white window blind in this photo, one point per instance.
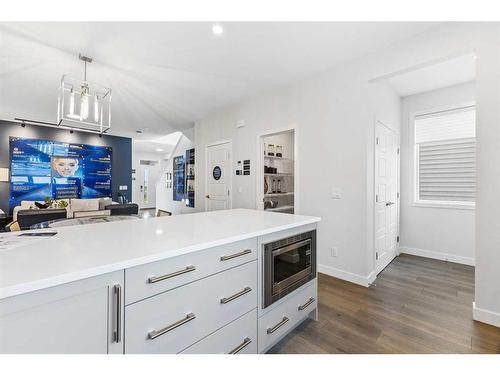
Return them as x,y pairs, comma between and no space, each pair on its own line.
445,147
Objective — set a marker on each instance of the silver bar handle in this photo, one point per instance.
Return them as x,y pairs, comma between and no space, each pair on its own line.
232,256
155,279
117,322
234,296
278,326
292,246
157,333
247,341
305,305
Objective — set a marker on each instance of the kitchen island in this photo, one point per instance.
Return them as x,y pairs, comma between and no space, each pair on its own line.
180,284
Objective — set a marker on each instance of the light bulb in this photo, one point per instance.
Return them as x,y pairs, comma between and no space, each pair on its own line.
72,103
217,29
84,111
96,109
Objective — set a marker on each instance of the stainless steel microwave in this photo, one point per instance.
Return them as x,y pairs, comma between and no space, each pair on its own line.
288,264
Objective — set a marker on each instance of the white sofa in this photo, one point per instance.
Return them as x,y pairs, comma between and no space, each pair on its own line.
74,205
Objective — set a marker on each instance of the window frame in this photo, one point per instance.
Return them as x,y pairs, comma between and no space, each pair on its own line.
415,201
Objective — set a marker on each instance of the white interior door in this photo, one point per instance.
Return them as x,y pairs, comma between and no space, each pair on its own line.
218,177
386,196
146,183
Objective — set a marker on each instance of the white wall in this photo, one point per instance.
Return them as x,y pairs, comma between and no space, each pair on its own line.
488,179
164,195
442,233
334,115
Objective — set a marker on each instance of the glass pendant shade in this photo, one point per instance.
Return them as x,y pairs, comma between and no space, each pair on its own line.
84,105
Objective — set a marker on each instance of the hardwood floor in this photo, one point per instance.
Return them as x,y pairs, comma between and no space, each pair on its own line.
418,305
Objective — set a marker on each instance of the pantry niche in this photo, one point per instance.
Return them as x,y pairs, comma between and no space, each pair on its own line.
278,172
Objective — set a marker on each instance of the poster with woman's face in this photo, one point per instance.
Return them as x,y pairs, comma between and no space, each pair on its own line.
66,177
65,166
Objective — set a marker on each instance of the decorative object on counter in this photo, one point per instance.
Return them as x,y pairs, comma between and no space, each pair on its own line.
279,151
60,223
161,212
270,149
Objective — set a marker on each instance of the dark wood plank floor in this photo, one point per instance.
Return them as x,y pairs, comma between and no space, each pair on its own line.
418,305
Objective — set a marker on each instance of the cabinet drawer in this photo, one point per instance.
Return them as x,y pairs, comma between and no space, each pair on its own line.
277,322
238,337
154,278
174,320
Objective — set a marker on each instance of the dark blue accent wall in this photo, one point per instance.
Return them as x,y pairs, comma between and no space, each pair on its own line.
122,153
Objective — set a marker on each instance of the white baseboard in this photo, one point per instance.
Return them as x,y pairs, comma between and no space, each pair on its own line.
437,255
485,316
347,276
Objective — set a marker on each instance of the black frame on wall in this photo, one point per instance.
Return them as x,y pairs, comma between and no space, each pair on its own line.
178,178
183,178
121,163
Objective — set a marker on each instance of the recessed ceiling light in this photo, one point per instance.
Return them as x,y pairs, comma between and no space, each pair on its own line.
138,131
159,149
217,29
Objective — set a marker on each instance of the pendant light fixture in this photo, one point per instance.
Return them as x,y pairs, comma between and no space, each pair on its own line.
82,104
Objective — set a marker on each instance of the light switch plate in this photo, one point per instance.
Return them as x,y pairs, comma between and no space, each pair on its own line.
336,193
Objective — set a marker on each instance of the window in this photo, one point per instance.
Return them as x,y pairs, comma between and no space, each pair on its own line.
445,157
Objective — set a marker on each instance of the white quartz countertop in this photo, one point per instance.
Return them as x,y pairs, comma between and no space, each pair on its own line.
89,250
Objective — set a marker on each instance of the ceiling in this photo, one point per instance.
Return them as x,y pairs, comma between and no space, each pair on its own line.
446,73
163,145
164,76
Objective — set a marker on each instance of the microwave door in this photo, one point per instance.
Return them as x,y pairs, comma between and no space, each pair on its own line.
291,264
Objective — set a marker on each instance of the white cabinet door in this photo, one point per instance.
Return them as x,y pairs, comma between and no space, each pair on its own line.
153,278
238,337
172,321
81,317
280,320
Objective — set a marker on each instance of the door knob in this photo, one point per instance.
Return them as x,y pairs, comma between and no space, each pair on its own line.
207,196
389,203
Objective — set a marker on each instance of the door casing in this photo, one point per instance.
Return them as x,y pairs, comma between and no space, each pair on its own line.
379,267
229,166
